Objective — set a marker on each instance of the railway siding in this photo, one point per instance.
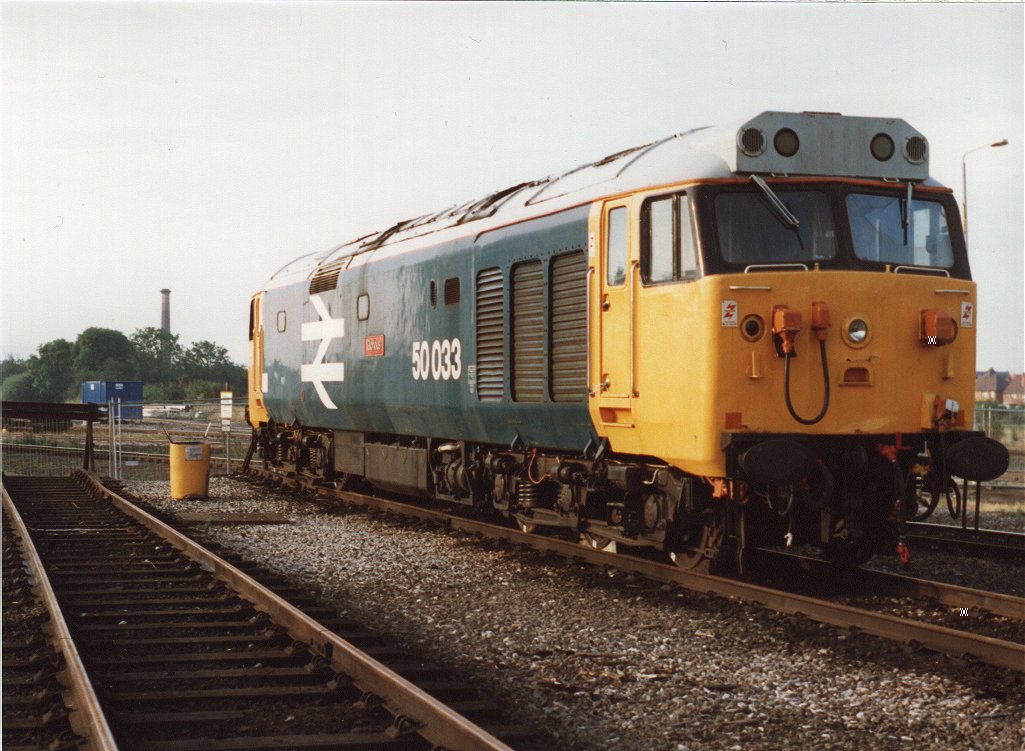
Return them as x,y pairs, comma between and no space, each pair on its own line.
607,658
34,716
192,642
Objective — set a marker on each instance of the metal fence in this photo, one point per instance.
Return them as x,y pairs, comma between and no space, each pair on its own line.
45,447
138,449
46,439
54,443
126,449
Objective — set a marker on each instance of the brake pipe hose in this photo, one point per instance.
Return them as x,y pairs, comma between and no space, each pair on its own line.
825,385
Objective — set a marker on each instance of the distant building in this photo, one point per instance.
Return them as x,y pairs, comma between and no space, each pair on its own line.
1014,394
990,385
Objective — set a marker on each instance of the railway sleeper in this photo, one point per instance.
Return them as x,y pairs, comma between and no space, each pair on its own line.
220,670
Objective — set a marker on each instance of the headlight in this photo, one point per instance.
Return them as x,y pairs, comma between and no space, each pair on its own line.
786,142
856,332
882,147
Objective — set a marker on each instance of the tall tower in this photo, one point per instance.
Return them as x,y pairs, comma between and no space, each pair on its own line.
165,311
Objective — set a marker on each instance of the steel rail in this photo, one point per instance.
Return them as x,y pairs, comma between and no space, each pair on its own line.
76,451
86,715
147,457
413,708
952,595
991,541
948,641
997,603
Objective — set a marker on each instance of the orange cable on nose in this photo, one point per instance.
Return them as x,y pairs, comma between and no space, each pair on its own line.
786,324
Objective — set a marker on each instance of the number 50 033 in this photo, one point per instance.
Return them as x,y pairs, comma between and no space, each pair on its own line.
440,360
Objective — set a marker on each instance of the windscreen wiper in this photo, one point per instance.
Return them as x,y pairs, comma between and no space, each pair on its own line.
779,208
905,213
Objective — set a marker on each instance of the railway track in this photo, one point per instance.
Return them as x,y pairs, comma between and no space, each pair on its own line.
983,542
956,642
34,716
977,610
172,648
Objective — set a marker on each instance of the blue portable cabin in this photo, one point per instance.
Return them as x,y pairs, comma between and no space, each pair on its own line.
129,393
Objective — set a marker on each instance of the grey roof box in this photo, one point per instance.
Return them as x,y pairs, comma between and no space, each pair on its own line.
812,143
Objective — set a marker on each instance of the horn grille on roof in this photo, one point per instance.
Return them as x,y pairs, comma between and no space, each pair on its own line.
752,141
915,149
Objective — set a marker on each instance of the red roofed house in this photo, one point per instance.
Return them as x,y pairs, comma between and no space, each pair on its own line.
1014,393
990,385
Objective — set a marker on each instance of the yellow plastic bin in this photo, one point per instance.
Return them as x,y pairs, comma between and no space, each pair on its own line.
190,470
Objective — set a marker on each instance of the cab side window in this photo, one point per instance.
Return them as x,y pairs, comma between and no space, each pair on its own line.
615,260
660,261
669,253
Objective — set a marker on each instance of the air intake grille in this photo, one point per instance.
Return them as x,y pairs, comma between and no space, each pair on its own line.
528,311
569,328
326,277
452,291
490,335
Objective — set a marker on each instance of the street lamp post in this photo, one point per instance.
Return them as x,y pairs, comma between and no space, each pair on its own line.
964,180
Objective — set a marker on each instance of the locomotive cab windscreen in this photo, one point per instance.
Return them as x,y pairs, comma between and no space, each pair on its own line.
816,190
841,225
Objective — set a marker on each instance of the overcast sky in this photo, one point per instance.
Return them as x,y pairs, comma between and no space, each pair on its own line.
202,146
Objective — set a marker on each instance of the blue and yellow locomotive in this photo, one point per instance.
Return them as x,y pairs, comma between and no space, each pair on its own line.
734,335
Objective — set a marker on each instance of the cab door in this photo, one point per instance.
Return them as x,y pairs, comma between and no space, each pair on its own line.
257,376
614,383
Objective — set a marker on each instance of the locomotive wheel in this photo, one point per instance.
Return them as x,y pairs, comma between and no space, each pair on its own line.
699,546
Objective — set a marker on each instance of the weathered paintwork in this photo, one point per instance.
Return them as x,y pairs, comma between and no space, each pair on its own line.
379,393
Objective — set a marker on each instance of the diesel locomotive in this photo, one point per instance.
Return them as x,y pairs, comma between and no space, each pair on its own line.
734,336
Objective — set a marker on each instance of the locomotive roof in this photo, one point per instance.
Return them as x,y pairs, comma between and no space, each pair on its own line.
804,144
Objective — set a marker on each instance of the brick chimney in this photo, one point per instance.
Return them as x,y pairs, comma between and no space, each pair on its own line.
165,310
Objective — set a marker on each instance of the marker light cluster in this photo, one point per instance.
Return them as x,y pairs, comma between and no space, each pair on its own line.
787,143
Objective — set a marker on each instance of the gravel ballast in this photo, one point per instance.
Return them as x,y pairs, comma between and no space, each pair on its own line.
603,660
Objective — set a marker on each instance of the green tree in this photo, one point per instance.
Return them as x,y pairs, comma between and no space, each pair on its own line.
157,354
199,390
104,355
209,370
11,366
165,391
170,372
205,360
52,370
19,388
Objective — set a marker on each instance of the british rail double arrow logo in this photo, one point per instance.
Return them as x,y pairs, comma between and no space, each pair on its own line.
326,330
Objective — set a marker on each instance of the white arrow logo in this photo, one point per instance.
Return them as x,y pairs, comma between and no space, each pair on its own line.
326,330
